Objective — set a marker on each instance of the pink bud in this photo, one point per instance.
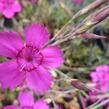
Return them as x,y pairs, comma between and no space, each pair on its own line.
91,36
79,85
101,15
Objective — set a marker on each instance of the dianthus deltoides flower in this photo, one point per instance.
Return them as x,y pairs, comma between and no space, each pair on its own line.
9,7
27,102
30,60
100,78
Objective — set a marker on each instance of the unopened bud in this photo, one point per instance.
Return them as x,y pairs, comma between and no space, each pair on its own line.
79,85
101,15
91,36
90,7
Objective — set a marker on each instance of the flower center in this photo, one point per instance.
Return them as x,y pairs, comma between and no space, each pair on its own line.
29,58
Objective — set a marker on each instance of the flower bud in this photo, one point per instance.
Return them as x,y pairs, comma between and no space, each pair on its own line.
91,36
101,15
79,85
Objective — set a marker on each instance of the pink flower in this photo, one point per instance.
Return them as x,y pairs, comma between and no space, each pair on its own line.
30,60
9,7
100,77
27,102
77,2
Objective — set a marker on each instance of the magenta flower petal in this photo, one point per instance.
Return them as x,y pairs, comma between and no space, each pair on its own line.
8,13
27,102
26,98
102,68
11,107
10,76
39,80
94,76
16,7
9,7
36,35
104,87
41,104
53,57
10,43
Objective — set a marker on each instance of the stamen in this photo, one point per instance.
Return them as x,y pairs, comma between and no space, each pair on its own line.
22,67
